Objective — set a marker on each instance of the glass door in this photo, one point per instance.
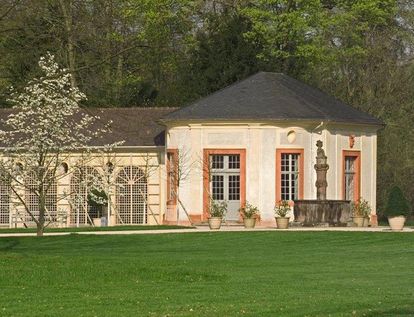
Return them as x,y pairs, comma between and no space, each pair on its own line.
225,182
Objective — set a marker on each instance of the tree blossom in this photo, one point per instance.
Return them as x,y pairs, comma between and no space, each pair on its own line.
45,127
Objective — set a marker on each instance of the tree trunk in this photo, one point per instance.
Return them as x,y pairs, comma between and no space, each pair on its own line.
42,209
39,231
119,74
66,6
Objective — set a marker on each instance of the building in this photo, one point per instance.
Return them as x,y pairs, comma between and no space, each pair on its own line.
252,141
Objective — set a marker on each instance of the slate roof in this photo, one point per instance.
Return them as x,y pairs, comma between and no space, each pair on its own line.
135,126
271,96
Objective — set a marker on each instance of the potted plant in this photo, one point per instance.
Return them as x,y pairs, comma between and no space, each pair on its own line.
98,200
281,211
249,214
361,211
217,212
397,209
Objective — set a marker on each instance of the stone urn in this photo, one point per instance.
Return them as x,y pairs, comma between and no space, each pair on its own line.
358,220
214,223
396,223
249,223
282,222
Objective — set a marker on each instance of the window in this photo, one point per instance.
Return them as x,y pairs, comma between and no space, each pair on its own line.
289,174
225,182
4,201
351,175
234,161
217,184
234,187
172,176
32,199
131,196
80,186
224,179
217,161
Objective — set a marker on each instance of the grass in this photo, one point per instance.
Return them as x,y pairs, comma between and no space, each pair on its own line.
90,228
209,274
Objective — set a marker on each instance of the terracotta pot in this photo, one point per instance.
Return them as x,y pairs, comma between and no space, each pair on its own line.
366,222
396,223
214,223
358,220
282,222
249,222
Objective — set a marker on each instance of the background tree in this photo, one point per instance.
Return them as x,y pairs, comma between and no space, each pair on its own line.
171,52
220,56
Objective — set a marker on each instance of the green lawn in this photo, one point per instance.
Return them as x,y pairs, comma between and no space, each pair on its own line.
209,274
90,228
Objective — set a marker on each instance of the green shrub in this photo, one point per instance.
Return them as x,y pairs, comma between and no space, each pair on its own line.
361,208
217,209
397,204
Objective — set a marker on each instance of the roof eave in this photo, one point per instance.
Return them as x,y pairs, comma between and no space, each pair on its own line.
168,121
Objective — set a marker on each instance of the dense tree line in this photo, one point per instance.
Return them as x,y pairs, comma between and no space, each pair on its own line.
170,52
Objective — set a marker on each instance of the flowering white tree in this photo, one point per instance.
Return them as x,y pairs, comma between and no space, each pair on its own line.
45,127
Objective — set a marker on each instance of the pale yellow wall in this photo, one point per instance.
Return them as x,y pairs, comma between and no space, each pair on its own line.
261,141
151,161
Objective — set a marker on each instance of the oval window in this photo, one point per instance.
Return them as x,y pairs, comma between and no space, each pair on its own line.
291,136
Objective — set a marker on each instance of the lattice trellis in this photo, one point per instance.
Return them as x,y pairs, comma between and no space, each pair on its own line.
32,200
131,196
4,203
80,186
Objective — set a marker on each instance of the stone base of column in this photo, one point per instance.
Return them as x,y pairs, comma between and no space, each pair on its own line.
374,221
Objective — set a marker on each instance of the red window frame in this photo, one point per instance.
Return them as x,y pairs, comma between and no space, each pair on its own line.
173,153
357,176
279,153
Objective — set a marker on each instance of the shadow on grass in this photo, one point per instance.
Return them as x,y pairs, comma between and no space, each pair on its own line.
400,311
9,245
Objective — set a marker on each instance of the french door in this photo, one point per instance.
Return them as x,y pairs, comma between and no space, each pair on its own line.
225,182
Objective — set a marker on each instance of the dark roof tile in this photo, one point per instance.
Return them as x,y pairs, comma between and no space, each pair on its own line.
135,126
271,96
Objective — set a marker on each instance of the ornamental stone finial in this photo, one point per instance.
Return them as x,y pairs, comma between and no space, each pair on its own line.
321,168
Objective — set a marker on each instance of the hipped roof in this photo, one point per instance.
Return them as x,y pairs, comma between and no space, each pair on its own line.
271,96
